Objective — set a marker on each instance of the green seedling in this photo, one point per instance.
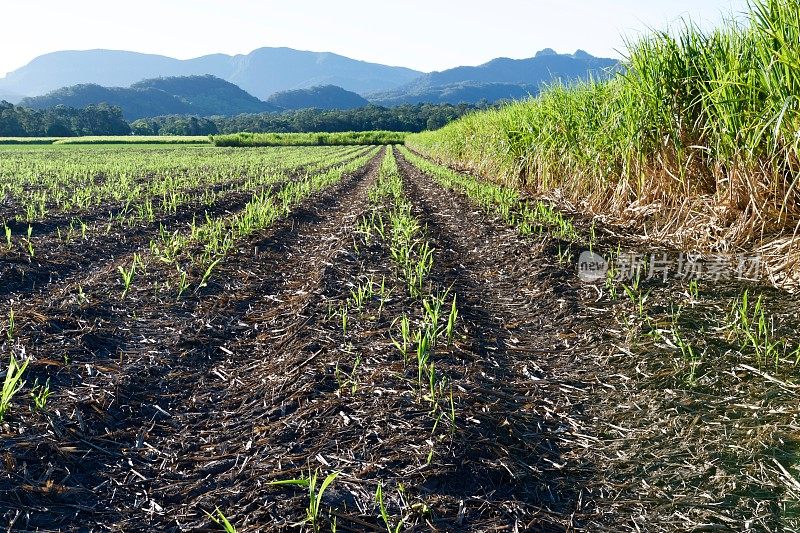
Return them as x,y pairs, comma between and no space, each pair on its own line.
636,296
353,378
433,313
359,295
751,326
218,518
381,503
691,359
565,256
82,297
452,413
384,294
207,274
29,242
183,281
128,274
610,282
694,290
424,346
379,225
451,321
405,338
40,394
12,384
432,386
314,495
11,324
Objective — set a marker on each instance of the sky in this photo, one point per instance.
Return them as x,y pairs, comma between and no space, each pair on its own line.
422,34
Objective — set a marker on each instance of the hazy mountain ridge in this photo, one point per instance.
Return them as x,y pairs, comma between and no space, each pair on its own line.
498,79
202,96
456,93
262,72
195,95
321,97
544,66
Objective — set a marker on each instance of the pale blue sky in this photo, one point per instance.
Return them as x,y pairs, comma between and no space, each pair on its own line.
422,34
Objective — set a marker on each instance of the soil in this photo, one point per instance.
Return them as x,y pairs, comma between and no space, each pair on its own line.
166,410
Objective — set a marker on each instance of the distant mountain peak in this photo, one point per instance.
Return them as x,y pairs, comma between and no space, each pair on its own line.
546,52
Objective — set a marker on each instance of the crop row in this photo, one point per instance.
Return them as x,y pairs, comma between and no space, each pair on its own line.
425,326
166,202
203,245
35,183
177,261
498,200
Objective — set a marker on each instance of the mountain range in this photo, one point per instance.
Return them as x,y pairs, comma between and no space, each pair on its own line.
202,96
186,95
499,79
261,73
272,79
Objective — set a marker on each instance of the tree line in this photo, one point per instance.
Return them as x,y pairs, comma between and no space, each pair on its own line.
407,118
102,119
60,121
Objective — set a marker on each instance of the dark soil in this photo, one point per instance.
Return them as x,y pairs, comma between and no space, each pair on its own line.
163,410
